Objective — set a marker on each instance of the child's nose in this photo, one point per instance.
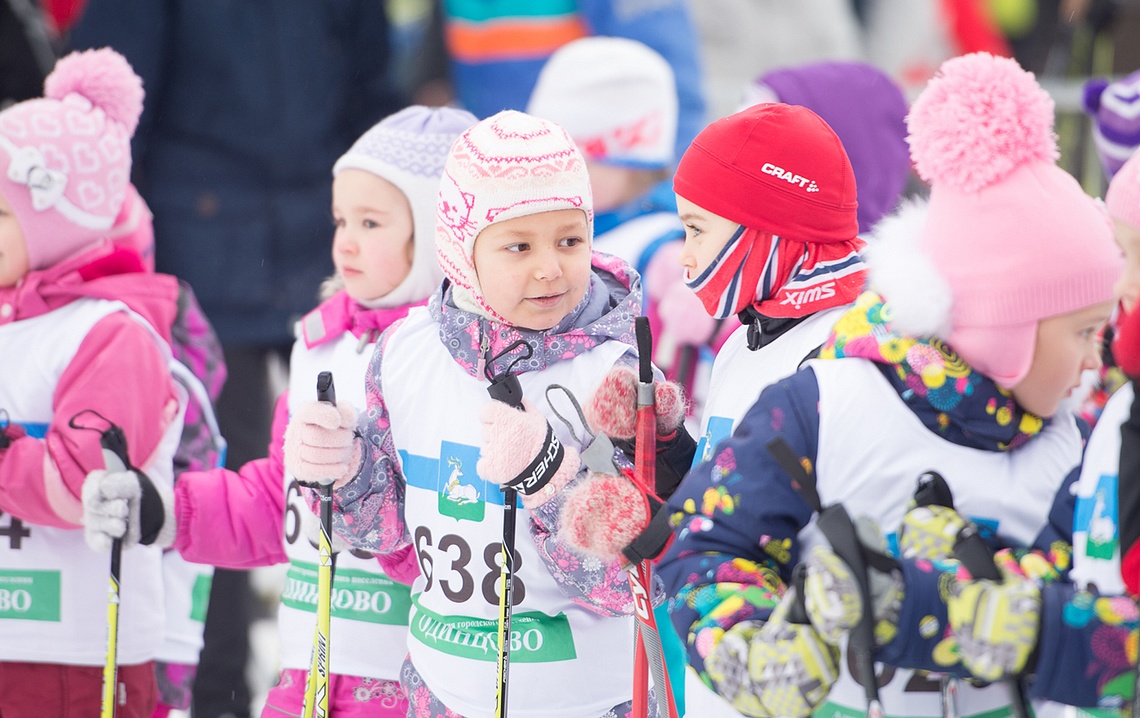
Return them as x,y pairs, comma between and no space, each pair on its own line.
549,267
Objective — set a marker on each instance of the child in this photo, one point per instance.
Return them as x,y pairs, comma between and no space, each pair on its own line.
81,352
1106,547
992,296
384,191
866,110
523,297
768,200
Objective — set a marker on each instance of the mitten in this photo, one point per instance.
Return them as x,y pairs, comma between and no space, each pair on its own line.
126,505
996,624
604,514
521,450
832,596
320,444
774,668
612,410
929,532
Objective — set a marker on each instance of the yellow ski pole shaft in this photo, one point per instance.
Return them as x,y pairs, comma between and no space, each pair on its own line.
114,459
317,686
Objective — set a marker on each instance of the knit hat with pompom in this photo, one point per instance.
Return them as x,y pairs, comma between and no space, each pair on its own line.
1007,238
65,158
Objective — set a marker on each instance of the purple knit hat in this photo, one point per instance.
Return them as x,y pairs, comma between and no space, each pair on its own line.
1115,109
409,149
868,112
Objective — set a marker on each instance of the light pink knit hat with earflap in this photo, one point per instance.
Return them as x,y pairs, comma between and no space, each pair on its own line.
1007,239
65,158
509,165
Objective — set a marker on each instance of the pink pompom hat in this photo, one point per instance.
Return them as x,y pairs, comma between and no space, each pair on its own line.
65,158
1008,238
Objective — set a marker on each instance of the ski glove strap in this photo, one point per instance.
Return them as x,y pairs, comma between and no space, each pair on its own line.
538,473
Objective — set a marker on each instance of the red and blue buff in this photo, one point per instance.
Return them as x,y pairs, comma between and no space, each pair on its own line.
781,278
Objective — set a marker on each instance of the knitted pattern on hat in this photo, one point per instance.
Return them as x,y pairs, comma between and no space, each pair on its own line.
409,149
1007,239
509,165
1115,109
65,159
615,96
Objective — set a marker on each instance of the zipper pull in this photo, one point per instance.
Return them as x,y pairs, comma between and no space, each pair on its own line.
484,349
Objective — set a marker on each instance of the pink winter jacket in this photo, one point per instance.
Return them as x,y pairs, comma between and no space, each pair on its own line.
235,519
119,371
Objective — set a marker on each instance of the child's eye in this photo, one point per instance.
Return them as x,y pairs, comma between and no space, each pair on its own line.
693,228
370,224
571,242
337,222
520,247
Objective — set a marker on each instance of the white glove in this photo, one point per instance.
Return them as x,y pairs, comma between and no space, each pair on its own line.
126,505
320,444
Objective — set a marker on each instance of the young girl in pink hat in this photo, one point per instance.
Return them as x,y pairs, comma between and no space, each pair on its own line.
82,349
984,309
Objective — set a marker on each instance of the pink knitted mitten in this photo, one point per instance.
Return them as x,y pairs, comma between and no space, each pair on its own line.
512,441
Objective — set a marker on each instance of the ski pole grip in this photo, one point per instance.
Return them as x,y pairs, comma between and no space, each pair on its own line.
644,357
326,390
114,443
975,554
932,490
797,612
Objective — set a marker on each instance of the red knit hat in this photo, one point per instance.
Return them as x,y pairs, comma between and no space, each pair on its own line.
776,168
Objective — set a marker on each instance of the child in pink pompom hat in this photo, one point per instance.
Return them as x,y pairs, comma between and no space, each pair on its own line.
525,306
983,312
86,345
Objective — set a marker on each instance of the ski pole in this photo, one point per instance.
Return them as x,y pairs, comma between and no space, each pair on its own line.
836,525
975,554
317,685
647,653
507,389
115,458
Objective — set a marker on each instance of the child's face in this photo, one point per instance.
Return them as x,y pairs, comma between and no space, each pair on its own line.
1067,345
705,235
534,270
372,246
13,250
1128,286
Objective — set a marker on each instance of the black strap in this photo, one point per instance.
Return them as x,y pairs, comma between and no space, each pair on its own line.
538,473
654,539
803,481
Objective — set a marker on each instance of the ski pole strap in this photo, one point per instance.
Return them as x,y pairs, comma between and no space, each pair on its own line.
538,473
656,537
803,480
